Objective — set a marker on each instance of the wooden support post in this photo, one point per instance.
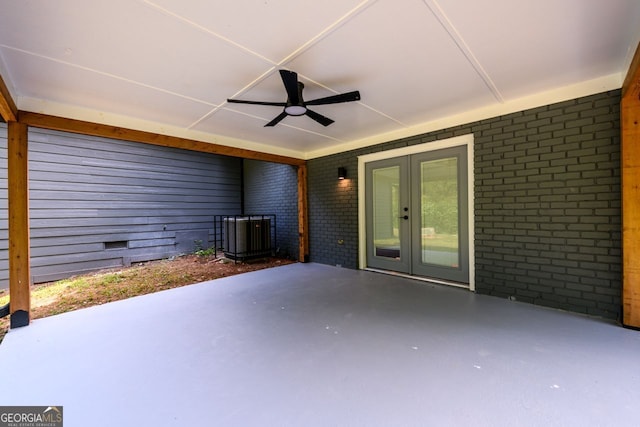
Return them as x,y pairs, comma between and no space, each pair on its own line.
8,110
630,158
19,262
303,217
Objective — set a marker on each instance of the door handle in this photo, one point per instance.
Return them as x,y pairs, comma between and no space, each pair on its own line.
404,217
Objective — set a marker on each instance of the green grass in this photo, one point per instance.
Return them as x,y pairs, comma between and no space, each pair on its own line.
445,242
441,241
46,292
206,252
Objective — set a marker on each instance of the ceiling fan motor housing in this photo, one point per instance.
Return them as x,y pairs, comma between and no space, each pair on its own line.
295,105
296,108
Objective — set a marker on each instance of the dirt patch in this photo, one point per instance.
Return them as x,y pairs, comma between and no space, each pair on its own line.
143,278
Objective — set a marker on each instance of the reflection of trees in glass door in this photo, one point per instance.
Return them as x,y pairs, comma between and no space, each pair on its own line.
440,227
417,214
395,209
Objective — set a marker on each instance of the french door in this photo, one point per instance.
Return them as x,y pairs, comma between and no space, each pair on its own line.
417,214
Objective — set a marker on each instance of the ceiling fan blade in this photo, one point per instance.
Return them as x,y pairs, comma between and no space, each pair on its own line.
335,99
290,81
277,119
240,101
324,121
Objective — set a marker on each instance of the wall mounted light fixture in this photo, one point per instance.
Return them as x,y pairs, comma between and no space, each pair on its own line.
342,173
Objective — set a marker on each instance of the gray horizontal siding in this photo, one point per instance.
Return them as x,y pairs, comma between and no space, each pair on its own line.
85,192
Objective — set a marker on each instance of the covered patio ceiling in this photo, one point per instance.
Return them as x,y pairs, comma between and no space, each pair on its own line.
168,66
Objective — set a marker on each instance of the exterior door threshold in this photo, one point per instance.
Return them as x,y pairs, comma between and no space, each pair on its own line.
419,278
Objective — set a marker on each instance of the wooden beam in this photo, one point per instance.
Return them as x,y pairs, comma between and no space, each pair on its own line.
95,129
630,165
19,257
8,109
303,217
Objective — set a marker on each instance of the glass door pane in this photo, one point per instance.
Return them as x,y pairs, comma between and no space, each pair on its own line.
388,225
386,209
439,213
440,247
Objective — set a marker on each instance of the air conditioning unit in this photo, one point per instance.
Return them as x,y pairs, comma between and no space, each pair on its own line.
246,237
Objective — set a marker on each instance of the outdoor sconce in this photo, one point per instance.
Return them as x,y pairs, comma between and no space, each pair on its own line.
342,173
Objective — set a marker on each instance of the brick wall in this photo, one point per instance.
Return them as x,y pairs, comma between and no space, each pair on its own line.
333,211
547,204
271,188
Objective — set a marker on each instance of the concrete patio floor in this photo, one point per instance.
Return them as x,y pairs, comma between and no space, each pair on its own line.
314,345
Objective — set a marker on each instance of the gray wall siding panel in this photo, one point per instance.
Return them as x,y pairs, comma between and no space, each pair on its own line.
547,204
86,191
271,188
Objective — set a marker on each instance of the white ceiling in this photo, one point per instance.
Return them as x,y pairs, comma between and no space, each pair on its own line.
168,66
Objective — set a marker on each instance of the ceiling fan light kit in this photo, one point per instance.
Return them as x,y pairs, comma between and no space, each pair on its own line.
295,105
295,110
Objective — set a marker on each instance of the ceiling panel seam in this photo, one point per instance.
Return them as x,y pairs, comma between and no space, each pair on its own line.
446,23
224,102
328,30
207,30
297,52
104,73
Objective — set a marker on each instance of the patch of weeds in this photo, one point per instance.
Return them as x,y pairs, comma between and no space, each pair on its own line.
50,290
206,252
77,283
4,321
111,279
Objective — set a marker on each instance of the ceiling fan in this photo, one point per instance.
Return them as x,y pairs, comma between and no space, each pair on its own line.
296,105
